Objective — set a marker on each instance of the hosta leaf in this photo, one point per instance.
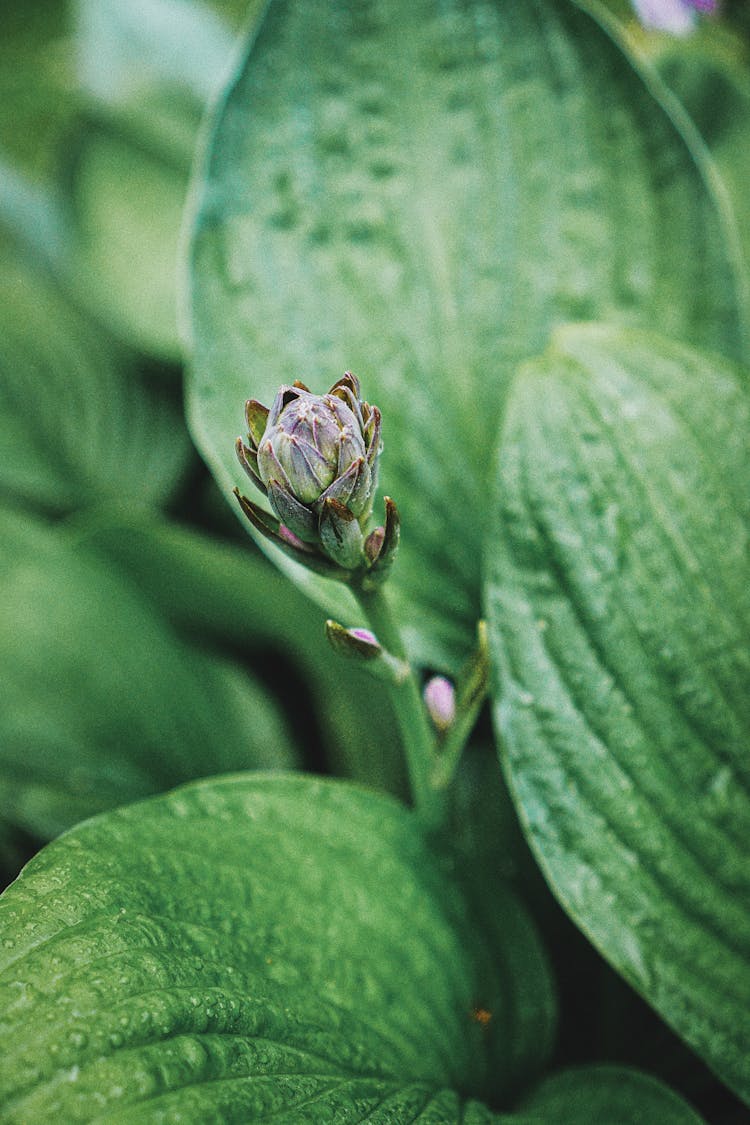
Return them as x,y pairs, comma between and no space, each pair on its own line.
102,702
707,70
258,946
77,423
418,192
608,1094
619,604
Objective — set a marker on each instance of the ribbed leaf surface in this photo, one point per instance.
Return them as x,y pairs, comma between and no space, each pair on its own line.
619,609
258,947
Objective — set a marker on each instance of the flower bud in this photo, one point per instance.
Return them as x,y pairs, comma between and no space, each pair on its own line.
363,646
440,700
316,459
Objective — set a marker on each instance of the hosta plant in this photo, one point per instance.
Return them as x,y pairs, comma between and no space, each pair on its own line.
515,235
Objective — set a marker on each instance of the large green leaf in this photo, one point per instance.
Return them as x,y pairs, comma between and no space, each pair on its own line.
418,192
619,605
77,422
101,702
708,72
260,947
606,1094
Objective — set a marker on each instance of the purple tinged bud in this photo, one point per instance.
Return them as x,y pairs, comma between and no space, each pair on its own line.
314,438
359,644
316,446
440,701
316,459
363,646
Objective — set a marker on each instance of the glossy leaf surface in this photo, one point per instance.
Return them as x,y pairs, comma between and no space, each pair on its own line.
619,606
239,949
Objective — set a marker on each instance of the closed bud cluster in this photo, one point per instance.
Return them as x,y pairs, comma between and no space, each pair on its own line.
316,459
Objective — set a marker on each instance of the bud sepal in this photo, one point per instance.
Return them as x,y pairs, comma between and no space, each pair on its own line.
281,536
469,693
381,548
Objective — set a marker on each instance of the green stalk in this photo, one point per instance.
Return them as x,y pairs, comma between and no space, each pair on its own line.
471,692
416,734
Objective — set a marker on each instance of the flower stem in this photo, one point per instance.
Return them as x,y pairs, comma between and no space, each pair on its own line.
417,736
471,693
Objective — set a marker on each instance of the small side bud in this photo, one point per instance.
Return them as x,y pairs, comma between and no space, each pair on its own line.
465,701
440,701
363,646
359,644
676,17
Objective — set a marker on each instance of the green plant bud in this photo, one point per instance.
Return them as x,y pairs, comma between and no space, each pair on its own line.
316,459
363,647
